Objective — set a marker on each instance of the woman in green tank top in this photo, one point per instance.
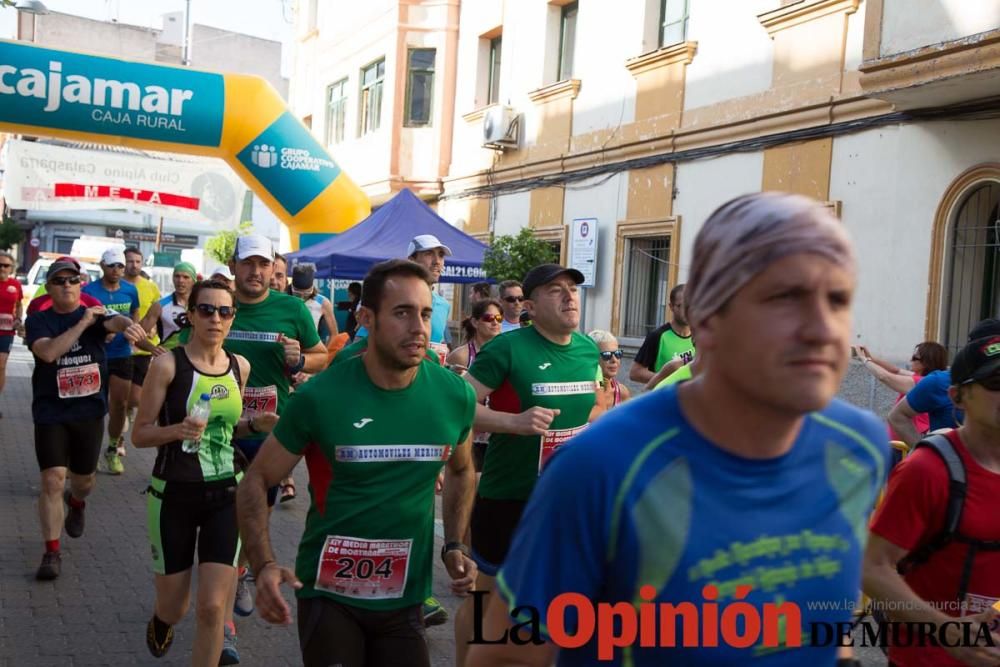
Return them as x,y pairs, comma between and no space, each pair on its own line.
191,499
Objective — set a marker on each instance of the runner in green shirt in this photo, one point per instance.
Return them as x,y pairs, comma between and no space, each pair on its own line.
668,342
375,431
541,381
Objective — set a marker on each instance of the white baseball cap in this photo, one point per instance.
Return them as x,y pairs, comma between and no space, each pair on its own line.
253,245
425,242
224,272
115,255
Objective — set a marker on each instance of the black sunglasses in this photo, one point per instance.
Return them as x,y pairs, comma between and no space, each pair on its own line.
207,310
606,355
915,358
65,280
6,266
116,265
513,299
990,383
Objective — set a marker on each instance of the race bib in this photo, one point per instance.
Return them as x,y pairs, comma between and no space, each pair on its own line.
6,322
441,349
257,400
552,441
364,569
79,381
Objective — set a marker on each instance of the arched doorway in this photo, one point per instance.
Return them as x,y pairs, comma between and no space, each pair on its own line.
971,288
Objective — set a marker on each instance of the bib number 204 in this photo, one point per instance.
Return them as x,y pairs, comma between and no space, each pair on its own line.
363,568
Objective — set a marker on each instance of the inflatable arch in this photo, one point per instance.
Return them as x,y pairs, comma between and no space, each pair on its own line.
238,118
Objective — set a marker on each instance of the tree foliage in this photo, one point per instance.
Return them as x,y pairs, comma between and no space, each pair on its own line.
221,246
10,234
509,257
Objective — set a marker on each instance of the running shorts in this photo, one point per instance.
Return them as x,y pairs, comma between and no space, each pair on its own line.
75,445
183,516
6,341
493,523
249,448
140,366
331,633
121,367
479,455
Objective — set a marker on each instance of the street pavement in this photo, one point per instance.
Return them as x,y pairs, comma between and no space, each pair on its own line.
96,612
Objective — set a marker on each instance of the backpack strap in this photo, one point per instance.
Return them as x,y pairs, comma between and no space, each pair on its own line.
957,486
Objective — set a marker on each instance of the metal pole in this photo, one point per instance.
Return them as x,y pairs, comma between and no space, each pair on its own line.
186,58
159,235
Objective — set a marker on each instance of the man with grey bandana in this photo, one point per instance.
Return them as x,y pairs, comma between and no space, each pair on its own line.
748,483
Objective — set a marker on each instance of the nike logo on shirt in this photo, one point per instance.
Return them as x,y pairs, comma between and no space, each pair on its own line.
363,422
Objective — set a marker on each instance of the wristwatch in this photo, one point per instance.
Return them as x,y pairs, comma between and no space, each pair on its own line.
292,370
455,546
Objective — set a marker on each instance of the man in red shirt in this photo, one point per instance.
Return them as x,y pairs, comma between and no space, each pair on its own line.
10,312
914,512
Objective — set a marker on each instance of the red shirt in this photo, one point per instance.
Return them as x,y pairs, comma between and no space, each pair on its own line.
10,295
44,302
913,512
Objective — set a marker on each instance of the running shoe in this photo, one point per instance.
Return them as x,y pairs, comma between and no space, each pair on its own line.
50,568
434,613
243,605
230,656
74,517
113,462
158,646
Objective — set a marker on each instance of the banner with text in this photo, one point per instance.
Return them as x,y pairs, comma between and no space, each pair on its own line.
55,178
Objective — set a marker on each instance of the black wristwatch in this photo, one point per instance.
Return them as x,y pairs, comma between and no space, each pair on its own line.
292,370
848,662
455,546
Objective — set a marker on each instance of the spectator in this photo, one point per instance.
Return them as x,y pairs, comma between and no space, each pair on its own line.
480,328
612,392
480,292
512,297
927,358
351,306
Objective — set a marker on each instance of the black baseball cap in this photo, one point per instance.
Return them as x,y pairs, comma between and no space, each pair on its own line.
976,361
988,327
543,274
303,276
63,264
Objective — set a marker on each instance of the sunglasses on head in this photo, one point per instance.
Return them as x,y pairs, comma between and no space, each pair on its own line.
491,318
513,299
65,280
207,310
606,355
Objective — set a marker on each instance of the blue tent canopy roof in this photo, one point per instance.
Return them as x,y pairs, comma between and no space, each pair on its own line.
385,234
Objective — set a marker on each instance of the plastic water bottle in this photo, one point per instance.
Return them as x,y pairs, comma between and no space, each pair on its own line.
200,411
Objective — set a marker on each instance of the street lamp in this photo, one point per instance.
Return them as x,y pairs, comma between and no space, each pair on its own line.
31,7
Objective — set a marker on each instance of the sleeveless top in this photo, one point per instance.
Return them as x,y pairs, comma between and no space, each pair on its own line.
617,389
216,460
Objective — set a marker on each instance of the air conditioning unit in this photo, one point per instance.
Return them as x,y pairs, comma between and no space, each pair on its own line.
501,125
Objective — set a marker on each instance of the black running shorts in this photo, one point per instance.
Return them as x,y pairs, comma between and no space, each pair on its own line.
140,366
75,445
331,633
121,367
184,516
493,523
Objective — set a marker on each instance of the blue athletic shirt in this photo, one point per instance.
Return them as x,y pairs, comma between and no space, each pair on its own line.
930,395
640,498
124,301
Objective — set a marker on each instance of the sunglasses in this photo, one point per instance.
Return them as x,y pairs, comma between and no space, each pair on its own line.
991,383
65,280
606,356
491,318
116,265
207,310
513,299
6,266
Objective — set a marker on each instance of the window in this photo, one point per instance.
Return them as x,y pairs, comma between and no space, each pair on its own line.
567,40
646,291
371,96
336,112
420,86
673,21
493,76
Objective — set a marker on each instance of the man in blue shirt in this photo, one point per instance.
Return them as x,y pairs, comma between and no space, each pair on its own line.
118,296
930,395
749,485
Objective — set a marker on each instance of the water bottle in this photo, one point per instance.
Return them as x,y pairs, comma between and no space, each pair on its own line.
200,411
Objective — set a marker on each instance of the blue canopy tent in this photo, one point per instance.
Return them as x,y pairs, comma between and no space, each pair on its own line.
385,234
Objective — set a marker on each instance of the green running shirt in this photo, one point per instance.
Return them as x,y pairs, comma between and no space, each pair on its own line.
373,456
526,370
256,334
216,459
673,346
